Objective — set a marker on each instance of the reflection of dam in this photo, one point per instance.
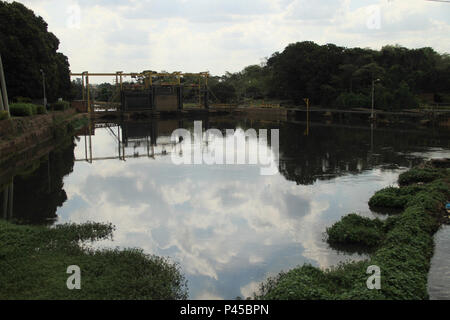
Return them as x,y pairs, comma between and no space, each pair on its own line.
134,139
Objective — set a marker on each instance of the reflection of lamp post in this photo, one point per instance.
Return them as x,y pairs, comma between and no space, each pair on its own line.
373,96
43,85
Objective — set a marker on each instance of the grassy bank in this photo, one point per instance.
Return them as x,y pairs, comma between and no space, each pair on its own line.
402,246
34,261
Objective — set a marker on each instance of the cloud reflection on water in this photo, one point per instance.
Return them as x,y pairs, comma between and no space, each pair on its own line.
227,226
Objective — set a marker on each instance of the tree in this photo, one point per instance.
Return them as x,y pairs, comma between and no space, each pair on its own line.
225,92
27,46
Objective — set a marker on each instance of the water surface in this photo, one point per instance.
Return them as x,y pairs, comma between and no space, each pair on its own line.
228,226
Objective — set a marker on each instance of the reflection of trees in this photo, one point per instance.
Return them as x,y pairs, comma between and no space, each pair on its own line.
38,191
332,151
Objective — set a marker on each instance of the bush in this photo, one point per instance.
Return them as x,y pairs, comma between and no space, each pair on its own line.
23,100
417,175
33,109
394,198
404,248
352,100
34,261
21,109
3,115
41,109
60,105
356,230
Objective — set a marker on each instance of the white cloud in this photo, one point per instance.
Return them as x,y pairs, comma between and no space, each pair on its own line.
219,36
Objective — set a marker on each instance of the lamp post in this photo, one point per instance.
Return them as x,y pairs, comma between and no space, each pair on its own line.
373,96
43,85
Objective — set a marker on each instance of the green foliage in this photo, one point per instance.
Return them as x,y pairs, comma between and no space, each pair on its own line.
342,77
225,92
356,230
23,100
4,115
22,109
33,256
41,109
60,106
419,175
404,248
30,48
395,198
353,100
26,109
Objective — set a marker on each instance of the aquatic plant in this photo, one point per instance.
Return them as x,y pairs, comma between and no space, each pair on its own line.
34,262
404,247
392,197
419,175
354,229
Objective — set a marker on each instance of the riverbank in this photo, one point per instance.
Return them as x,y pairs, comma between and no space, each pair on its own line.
20,134
401,246
34,262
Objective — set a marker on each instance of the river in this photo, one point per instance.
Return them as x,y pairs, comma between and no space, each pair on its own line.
228,226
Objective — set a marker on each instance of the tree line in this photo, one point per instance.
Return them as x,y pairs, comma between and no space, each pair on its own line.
329,75
27,47
334,76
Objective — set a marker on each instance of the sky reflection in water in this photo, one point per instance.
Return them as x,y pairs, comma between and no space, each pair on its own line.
226,225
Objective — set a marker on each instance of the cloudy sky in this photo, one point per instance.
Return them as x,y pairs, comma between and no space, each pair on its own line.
219,36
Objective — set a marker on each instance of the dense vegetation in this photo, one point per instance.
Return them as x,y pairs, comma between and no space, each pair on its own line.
403,250
26,109
34,261
331,76
335,76
28,47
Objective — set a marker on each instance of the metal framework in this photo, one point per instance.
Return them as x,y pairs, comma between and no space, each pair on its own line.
172,79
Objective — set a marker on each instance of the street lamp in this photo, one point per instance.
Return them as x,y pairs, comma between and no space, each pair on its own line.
373,96
43,85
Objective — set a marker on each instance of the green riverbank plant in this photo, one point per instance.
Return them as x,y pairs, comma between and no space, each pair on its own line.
403,247
34,262
419,175
356,230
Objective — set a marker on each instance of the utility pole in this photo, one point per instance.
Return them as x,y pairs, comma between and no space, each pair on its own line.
307,116
4,94
43,85
373,96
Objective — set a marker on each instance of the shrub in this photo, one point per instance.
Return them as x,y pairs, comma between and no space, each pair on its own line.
357,230
33,109
23,100
21,109
3,115
34,260
404,251
419,175
41,109
394,198
60,106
